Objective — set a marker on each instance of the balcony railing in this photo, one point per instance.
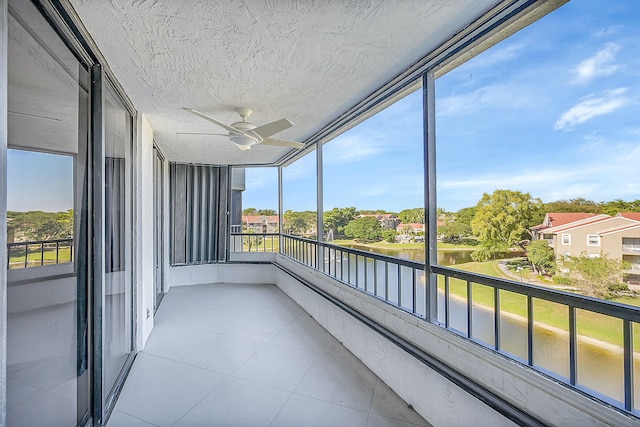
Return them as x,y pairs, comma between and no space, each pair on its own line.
563,335
254,242
39,253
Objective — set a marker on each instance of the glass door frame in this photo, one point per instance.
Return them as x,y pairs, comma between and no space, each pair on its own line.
158,229
104,400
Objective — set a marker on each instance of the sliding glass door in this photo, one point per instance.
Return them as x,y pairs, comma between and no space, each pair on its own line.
48,336
116,292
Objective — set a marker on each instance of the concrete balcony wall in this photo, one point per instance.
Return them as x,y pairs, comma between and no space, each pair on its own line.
224,273
438,400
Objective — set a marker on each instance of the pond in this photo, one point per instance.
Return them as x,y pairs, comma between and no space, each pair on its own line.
600,365
445,256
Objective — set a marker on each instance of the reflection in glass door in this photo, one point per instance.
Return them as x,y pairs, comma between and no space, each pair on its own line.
117,289
47,176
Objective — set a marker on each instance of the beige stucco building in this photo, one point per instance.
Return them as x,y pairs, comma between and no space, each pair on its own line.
617,236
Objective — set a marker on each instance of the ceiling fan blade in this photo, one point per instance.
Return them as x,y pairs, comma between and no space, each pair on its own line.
282,143
272,128
201,133
212,120
243,147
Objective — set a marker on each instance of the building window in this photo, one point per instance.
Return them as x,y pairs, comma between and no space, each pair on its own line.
566,239
593,240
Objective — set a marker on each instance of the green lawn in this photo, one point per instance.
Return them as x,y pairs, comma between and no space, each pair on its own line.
17,258
600,327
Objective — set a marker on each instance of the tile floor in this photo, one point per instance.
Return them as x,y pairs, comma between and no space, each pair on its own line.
247,355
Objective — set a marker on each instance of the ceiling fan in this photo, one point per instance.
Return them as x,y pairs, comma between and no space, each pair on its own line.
245,135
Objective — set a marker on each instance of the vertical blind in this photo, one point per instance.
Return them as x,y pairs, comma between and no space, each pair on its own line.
199,197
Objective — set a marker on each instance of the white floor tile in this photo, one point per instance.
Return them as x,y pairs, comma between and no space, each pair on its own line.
380,421
120,419
345,381
237,403
388,404
225,354
178,344
167,396
309,412
274,366
232,355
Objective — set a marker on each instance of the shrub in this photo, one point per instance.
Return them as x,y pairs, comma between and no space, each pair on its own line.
619,287
562,280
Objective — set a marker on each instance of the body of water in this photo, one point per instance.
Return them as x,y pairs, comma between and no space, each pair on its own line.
600,365
445,257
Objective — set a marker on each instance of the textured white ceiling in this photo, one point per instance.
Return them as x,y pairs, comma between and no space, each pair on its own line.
308,61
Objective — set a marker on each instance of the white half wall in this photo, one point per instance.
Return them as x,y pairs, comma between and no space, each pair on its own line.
440,401
221,273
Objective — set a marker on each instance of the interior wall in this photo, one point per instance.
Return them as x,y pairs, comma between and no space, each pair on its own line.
145,247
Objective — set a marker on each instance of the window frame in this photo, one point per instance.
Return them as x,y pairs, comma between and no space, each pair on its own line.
589,236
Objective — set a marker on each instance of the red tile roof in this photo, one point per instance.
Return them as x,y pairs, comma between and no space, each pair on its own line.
630,215
562,218
253,219
556,219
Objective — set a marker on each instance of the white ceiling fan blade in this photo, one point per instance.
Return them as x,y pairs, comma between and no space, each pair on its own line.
282,143
272,128
243,147
201,133
212,120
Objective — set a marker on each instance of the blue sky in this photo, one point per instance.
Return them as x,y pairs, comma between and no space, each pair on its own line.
39,181
553,111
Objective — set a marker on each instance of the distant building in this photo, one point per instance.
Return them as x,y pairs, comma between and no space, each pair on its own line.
387,221
617,236
261,223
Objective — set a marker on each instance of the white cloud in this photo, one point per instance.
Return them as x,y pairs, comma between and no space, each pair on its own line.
494,97
607,31
592,107
600,65
497,55
350,148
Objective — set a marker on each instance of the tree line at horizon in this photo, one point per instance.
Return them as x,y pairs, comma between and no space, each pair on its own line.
498,221
39,225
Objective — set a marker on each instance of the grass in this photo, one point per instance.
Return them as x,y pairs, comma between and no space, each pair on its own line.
17,260
600,327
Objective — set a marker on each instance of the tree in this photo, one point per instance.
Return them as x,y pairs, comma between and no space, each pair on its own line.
573,205
337,218
465,215
595,276
616,206
389,235
454,232
412,216
266,212
251,241
541,256
39,225
366,229
300,223
249,211
504,218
